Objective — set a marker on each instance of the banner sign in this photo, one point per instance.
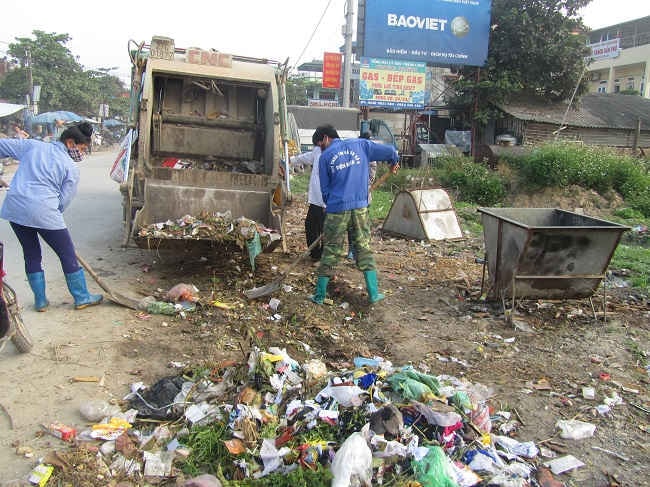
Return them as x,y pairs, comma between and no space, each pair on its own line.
605,49
332,70
432,31
313,102
392,84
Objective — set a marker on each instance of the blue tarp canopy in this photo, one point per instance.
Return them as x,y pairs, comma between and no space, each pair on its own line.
51,117
111,122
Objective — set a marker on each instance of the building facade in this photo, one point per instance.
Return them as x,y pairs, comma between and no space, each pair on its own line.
627,70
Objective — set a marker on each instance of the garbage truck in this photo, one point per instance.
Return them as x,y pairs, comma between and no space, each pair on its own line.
206,135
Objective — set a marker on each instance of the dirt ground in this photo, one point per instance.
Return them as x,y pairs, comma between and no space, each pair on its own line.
432,317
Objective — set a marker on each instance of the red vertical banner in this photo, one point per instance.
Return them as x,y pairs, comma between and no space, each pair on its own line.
332,62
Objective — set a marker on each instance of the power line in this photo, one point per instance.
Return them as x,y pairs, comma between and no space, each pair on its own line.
313,33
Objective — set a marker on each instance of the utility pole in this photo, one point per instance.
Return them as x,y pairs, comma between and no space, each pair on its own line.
347,62
30,81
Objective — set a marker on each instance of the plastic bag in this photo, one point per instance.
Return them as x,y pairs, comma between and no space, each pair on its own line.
435,469
572,429
183,292
353,461
97,410
414,385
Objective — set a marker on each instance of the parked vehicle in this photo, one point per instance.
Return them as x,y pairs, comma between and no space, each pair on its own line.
222,116
11,321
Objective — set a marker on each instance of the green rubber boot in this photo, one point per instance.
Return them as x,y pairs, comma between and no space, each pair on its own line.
371,285
321,290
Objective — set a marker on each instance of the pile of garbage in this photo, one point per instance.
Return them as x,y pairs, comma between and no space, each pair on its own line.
210,226
272,418
208,164
217,227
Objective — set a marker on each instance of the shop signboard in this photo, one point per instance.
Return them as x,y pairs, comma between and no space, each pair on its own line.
392,84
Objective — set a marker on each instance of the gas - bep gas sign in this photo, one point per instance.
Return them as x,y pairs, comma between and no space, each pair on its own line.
434,31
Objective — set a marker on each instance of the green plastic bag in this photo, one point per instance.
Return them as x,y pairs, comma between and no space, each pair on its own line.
414,385
254,246
434,470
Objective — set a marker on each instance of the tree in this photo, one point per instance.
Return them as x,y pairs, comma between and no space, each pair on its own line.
298,88
65,85
536,49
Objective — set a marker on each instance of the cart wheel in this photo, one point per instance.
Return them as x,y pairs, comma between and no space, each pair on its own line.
21,337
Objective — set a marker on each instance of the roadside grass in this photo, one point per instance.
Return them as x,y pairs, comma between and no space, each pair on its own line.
300,183
636,259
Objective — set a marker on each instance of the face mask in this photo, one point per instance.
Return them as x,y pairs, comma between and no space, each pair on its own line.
76,155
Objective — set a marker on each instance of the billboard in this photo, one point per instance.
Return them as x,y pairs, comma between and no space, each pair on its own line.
392,84
432,31
332,70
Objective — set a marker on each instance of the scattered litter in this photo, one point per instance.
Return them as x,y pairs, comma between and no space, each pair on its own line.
183,292
61,431
542,385
97,410
158,464
221,305
612,453
613,400
352,464
315,370
274,303
205,480
573,429
564,464
546,479
90,378
588,392
110,430
40,475
371,409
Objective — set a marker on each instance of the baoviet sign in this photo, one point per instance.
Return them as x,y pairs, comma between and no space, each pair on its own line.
332,70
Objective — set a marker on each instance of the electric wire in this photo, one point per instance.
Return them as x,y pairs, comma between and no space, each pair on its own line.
311,37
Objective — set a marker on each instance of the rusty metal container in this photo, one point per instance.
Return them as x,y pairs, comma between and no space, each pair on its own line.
546,253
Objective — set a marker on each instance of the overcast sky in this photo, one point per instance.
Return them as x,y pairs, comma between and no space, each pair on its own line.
277,29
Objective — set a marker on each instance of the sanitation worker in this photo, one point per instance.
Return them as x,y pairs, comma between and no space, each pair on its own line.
344,168
42,188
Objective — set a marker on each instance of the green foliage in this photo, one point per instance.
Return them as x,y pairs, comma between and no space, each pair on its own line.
600,169
299,88
208,450
300,182
300,477
65,85
532,51
472,182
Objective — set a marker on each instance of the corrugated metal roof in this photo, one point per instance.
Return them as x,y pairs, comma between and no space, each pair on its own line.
593,110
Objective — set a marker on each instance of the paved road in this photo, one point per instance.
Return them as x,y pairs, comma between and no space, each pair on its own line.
94,219
38,388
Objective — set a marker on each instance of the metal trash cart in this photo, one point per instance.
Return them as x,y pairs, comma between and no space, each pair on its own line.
546,253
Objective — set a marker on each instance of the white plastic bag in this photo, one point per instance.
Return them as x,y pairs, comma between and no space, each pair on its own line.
572,429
